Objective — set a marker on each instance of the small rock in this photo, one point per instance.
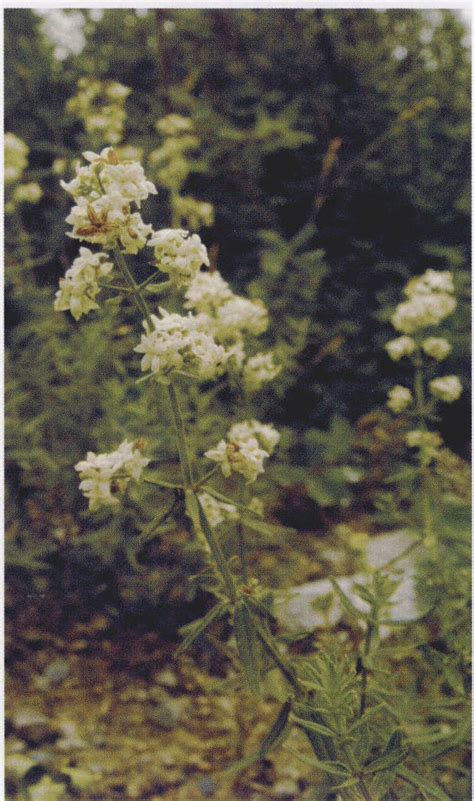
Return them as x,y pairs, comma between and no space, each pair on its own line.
167,713
286,788
71,738
54,674
33,726
206,786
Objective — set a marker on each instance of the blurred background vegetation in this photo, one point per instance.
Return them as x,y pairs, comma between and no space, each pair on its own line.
334,146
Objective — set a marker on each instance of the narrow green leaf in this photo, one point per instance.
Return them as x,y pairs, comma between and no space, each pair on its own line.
198,627
220,497
333,768
387,761
346,602
247,645
316,727
421,783
277,729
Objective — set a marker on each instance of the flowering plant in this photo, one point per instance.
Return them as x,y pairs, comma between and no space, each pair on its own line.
326,697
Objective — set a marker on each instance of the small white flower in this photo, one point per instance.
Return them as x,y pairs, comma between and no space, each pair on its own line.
175,342
265,433
107,221
79,287
27,193
245,457
448,388
103,475
258,370
217,511
402,346
430,281
245,448
436,347
241,315
421,311
178,253
429,443
206,292
15,157
399,398
429,302
173,125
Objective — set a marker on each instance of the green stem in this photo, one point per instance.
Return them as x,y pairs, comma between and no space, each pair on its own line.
271,647
140,301
364,673
181,436
424,471
241,539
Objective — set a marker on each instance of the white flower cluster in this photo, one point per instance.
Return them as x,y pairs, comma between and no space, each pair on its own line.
229,318
436,347
245,448
258,370
217,511
171,159
430,301
192,212
178,253
27,193
227,315
79,288
101,107
400,347
15,158
178,343
429,443
399,398
103,192
103,475
447,389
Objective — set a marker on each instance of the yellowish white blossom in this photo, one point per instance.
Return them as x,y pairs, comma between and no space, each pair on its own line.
173,125
429,443
436,347
15,157
431,281
216,511
191,212
399,398
430,301
207,291
447,389
244,449
101,107
103,192
79,287
176,343
258,370
178,253
27,193
104,475
267,435
400,347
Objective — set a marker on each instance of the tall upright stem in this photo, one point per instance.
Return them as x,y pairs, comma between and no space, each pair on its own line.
424,473
185,460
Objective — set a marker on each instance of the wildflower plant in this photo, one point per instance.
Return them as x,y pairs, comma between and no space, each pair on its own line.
16,163
429,300
332,697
